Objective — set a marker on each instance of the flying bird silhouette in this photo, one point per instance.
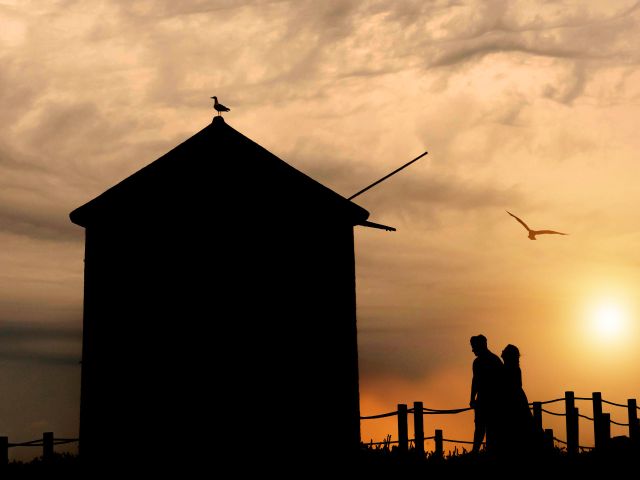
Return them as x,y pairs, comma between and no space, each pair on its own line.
533,233
219,107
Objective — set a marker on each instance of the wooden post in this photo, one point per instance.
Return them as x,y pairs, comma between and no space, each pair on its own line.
537,423
548,439
571,421
633,419
47,447
4,451
439,444
606,428
537,416
597,418
403,429
418,428
573,446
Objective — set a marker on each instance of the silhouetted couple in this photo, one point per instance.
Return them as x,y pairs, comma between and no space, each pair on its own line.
501,406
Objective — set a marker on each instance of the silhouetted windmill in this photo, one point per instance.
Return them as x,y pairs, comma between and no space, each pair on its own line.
219,107
281,317
533,233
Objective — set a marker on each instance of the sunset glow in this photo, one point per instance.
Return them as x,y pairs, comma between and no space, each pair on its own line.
524,106
608,321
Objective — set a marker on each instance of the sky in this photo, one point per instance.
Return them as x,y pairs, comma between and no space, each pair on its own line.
526,106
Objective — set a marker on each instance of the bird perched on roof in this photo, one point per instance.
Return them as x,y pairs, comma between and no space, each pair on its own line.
533,233
219,107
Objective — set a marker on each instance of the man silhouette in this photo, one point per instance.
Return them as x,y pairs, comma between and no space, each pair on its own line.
486,390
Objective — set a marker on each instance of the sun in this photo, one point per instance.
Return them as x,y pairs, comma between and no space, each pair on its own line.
608,320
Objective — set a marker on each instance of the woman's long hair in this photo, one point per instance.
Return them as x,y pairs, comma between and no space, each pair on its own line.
511,355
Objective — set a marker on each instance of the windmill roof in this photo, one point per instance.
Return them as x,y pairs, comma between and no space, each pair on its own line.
217,164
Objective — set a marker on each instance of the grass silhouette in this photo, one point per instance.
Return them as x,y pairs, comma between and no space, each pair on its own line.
385,461
388,462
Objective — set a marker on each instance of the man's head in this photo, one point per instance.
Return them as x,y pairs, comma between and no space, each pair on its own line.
478,344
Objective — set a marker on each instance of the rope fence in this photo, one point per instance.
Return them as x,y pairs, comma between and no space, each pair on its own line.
47,442
614,404
554,413
457,441
430,411
550,401
601,423
382,415
618,423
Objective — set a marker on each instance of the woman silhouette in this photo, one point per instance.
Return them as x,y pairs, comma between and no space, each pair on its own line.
518,419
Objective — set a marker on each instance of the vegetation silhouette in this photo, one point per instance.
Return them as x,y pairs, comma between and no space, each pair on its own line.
386,461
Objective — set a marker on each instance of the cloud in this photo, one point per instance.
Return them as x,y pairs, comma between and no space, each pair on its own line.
511,98
27,205
40,343
416,193
407,352
12,331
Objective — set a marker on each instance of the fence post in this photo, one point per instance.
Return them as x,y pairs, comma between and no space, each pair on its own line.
606,428
571,416
633,419
4,451
403,429
597,419
537,416
537,422
573,448
439,447
548,439
47,447
418,428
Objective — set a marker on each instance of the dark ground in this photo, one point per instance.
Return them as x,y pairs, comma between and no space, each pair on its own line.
388,464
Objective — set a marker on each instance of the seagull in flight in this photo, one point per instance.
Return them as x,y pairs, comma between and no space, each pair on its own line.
533,233
219,107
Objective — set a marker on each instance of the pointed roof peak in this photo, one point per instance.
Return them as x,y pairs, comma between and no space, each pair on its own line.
212,167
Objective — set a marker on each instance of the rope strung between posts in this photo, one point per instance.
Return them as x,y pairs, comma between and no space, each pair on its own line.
459,441
552,401
64,441
614,404
554,413
621,424
32,443
426,411
382,415
40,443
584,416
431,411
